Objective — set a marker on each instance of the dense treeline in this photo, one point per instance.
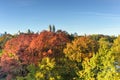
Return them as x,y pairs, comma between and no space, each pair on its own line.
57,55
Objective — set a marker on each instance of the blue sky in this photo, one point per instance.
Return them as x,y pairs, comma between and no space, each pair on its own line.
81,16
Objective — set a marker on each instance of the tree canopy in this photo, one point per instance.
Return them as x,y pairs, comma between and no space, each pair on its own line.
58,55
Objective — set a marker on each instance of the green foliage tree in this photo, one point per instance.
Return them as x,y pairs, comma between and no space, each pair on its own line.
97,37
29,31
53,28
66,68
44,71
50,28
100,66
116,52
4,39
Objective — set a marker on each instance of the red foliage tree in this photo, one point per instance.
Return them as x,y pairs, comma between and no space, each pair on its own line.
47,44
31,48
11,60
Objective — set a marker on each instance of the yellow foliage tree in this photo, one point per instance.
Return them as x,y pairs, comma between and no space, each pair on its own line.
81,48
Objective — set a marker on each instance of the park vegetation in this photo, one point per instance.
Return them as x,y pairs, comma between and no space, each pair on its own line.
58,55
